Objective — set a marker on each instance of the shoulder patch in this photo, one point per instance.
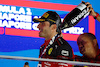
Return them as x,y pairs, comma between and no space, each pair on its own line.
65,53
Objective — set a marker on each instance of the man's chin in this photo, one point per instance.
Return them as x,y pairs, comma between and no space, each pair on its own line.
40,35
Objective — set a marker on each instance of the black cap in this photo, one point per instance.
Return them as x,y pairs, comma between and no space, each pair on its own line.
50,16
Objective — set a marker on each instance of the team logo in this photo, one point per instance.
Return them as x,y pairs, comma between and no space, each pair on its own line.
50,50
65,53
45,15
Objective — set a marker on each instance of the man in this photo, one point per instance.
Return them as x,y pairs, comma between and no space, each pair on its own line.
92,12
88,46
26,64
55,47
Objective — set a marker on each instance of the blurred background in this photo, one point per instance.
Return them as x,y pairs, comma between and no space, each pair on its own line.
19,34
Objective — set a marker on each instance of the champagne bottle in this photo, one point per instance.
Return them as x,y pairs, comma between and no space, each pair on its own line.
77,14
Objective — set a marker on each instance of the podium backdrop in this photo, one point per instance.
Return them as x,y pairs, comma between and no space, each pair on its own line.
19,34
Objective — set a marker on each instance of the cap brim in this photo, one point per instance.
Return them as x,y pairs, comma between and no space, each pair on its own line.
38,20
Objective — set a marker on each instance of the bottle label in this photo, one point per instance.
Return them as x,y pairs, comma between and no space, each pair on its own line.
84,9
71,19
81,6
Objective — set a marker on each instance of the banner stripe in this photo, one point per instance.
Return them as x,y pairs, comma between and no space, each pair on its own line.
91,25
1,30
70,37
37,4
32,33
21,32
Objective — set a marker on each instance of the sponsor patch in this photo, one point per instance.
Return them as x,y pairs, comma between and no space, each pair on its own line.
50,50
65,53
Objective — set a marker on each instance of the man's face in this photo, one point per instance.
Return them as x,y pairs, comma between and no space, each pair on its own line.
85,45
45,29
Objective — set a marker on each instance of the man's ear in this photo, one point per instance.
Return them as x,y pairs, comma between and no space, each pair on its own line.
54,27
95,42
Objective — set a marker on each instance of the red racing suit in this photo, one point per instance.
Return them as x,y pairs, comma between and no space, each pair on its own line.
60,49
86,59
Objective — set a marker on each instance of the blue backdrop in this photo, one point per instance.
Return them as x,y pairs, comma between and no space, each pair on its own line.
19,35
